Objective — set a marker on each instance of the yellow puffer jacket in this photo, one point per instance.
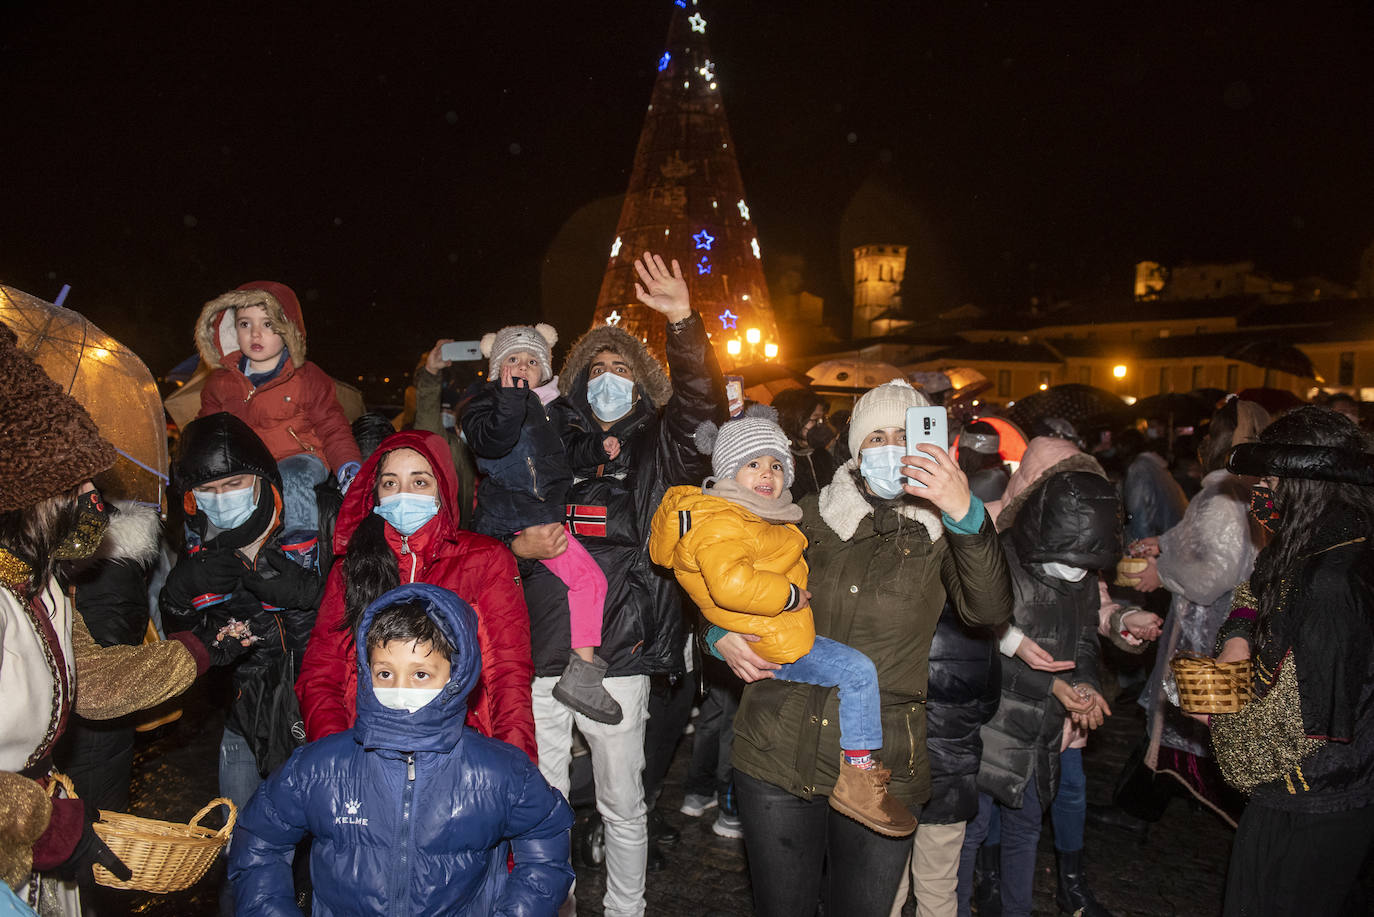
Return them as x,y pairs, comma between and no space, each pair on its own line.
737,567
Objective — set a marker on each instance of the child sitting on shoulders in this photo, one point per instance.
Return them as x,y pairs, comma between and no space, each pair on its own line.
411,811
526,446
734,545
253,340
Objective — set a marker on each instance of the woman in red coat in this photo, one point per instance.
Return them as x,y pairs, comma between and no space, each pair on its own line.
399,524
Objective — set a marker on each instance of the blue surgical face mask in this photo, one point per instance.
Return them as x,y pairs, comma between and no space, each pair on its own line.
407,699
407,513
881,467
611,396
229,509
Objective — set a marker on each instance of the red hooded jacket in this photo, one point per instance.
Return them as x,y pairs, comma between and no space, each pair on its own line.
295,411
478,569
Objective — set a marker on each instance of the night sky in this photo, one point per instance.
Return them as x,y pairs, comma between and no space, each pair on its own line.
406,167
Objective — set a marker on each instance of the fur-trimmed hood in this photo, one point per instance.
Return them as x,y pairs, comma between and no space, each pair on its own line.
215,336
843,505
650,377
1044,456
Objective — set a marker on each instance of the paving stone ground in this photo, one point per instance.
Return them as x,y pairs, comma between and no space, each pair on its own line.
1180,871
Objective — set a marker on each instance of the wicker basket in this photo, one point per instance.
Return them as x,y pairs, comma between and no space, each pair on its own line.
164,856
1208,686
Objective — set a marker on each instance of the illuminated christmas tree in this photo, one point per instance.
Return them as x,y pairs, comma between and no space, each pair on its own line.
686,201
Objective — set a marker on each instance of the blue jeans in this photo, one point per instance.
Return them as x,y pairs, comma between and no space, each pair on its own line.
833,664
1020,835
238,769
300,510
1070,807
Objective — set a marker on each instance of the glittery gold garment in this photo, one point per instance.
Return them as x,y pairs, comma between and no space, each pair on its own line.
114,680
1265,741
24,813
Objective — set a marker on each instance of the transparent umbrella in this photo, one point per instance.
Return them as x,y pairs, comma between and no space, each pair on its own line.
858,375
108,379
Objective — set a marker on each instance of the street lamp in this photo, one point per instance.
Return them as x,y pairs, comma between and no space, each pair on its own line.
732,347
753,335
1119,370
770,350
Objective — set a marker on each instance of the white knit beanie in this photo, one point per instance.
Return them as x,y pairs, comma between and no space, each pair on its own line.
882,406
740,441
536,339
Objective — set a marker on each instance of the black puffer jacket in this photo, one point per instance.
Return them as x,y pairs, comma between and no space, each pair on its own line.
1071,518
965,687
213,580
526,451
610,505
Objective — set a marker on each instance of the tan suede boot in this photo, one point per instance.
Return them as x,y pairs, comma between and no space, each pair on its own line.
862,795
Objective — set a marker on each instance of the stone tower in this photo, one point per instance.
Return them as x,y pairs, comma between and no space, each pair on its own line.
686,201
878,272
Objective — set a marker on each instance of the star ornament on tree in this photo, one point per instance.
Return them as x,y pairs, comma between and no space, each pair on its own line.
704,240
664,61
743,209
704,265
613,318
615,247
753,243
707,70
698,23
728,320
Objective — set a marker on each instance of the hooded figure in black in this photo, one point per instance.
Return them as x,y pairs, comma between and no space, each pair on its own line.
236,573
1068,528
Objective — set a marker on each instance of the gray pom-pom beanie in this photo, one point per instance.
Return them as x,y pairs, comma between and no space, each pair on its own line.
738,442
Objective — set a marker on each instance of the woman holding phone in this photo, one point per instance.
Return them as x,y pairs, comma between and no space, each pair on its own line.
883,555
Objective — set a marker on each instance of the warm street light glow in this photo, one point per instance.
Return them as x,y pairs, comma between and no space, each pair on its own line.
1044,386
770,350
732,347
753,335
1119,370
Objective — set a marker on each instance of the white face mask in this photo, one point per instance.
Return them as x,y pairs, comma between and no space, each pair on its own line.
610,396
881,467
1064,572
407,699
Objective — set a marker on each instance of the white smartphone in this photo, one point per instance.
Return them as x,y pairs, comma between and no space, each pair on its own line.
925,425
461,351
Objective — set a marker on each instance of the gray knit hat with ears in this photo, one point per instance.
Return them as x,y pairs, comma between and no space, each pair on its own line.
740,441
536,339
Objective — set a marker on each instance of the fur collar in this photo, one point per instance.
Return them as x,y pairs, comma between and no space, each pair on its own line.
843,505
134,534
649,374
215,337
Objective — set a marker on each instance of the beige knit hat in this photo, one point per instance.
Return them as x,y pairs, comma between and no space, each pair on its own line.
882,406
536,339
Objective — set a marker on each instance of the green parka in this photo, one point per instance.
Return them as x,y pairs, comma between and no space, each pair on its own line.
879,576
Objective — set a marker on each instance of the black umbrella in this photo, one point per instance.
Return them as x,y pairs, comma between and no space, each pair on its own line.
1275,355
1177,409
1081,405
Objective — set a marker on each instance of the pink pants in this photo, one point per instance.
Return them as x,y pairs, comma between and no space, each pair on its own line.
586,592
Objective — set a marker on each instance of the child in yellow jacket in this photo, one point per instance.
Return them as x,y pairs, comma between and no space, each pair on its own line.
734,545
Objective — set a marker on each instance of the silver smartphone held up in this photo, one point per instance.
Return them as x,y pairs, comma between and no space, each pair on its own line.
461,351
925,425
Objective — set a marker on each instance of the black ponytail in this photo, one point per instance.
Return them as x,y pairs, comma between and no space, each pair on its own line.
369,570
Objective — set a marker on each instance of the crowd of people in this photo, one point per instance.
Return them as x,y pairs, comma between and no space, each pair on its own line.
896,651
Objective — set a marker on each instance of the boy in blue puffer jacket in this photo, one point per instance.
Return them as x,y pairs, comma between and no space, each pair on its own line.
411,811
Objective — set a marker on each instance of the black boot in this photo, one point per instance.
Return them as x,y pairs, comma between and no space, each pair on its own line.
987,881
1073,895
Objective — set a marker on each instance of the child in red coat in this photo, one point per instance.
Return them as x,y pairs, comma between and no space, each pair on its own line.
253,339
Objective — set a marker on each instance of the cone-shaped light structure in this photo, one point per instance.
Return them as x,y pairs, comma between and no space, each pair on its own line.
686,201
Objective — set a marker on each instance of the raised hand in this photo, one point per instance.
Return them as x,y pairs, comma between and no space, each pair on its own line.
434,362
664,292
946,485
